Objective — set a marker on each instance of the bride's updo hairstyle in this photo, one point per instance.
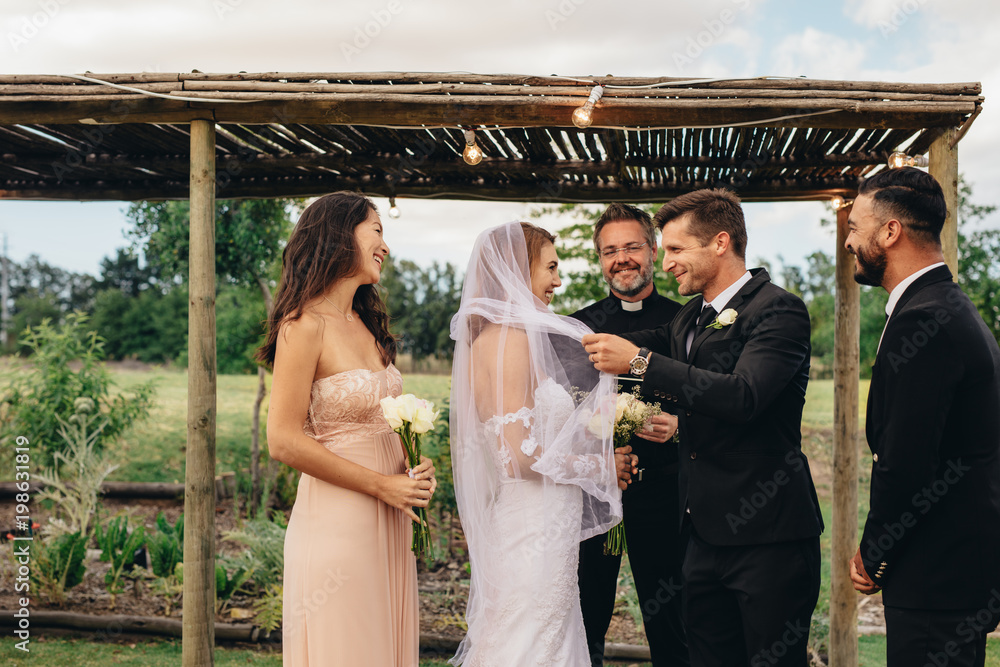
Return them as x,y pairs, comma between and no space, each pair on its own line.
321,251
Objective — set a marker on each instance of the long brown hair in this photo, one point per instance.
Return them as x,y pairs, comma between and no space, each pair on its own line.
322,250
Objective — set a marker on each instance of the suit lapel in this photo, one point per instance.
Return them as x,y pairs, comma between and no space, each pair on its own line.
682,323
940,274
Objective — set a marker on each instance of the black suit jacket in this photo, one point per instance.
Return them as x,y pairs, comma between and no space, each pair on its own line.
608,316
932,537
741,391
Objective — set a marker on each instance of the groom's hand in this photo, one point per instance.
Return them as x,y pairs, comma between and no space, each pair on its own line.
608,353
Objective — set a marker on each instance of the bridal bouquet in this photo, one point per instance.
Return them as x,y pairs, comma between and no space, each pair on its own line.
630,415
411,417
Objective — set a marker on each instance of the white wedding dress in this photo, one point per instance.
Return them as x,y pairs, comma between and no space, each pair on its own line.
535,619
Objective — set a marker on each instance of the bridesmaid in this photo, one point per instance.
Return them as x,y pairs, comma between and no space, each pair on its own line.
350,583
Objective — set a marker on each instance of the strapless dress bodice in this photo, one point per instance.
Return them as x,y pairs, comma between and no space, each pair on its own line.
347,404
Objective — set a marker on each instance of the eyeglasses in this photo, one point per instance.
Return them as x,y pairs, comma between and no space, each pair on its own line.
629,250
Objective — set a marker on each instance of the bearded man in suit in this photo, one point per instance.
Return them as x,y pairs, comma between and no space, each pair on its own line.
735,363
931,542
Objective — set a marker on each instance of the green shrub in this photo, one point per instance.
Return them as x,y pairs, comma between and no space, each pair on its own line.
166,546
118,546
75,491
226,584
58,565
264,555
43,393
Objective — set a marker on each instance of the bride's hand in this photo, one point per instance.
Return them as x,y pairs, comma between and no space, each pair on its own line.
659,428
424,470
404,493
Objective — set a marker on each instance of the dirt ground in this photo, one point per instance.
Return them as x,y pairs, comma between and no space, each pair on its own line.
443,588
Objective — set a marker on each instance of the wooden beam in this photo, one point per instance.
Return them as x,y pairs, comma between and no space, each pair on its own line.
943,166
843,640
523,190
199,474
470,110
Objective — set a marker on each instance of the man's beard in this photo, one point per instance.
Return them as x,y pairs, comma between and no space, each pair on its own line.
630,287
871,263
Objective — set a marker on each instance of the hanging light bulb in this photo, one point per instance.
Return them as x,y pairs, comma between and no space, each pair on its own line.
393,209
583,116
472,154
900,159
837,202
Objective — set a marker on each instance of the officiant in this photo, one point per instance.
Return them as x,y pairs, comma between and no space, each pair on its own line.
625,240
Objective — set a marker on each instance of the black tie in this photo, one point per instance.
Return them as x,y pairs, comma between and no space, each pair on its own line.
706,317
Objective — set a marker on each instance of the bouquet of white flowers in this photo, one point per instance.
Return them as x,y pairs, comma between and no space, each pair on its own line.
630,414
411,417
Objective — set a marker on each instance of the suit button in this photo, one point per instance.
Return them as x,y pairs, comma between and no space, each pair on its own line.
674,399
694,455
688,413
875,458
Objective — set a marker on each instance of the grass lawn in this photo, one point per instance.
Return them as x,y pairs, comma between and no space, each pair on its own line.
154,451
141,653
167,653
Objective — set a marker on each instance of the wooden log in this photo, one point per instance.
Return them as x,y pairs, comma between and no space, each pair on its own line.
113,625
199,478
943,166
74,91
843,640
576,91
446,112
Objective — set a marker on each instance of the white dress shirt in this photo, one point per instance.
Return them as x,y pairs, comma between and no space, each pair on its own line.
897,293
720,301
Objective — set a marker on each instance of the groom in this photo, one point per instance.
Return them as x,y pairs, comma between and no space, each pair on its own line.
735,362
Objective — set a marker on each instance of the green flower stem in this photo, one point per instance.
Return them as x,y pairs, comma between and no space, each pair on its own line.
421,543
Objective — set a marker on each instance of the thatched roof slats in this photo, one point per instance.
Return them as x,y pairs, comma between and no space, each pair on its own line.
15,138
491,147
566,147
252,139
339,137
541,143
922,142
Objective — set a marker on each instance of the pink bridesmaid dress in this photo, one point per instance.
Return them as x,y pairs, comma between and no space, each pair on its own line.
350,580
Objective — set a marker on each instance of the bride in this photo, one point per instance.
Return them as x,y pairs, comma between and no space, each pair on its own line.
531,479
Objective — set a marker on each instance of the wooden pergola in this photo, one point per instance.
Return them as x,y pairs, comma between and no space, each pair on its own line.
198,136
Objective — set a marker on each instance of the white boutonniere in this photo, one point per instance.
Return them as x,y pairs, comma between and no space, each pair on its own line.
724,319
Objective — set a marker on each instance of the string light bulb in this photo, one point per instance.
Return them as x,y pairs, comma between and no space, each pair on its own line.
472,154
838,202
900,159
393,209
584,116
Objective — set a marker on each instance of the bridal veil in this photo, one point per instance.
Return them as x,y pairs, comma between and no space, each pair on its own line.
531,440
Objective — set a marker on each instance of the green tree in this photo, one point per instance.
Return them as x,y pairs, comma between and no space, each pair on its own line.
249,237
421,302
66,365
979,257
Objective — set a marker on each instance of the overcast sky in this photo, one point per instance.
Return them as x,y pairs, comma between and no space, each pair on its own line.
885,40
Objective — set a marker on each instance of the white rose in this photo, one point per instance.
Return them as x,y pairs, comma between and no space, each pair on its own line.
407,407
601,423
424,416
727,317
390,409
621,405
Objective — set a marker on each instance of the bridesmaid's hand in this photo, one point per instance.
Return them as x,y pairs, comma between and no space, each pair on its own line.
424,470
404,493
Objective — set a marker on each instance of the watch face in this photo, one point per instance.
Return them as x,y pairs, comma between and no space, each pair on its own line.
638,366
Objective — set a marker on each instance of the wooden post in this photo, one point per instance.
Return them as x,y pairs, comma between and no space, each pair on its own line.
199,477
943,165
844,532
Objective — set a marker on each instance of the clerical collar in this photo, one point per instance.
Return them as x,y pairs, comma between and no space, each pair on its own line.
632,306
